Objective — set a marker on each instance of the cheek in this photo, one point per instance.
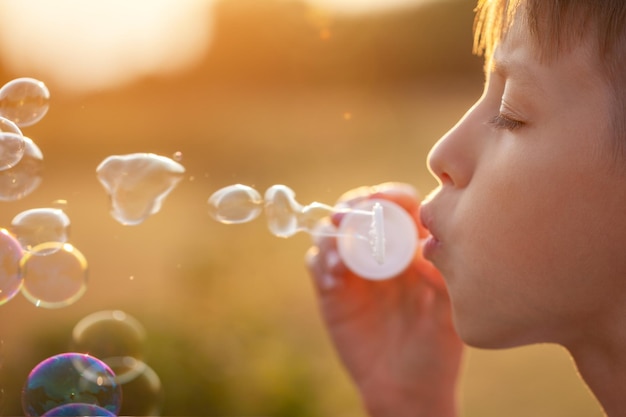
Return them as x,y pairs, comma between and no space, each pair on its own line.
522,223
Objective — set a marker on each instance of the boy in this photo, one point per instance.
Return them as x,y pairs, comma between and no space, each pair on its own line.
525,234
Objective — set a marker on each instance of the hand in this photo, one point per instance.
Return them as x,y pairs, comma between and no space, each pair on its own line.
395,336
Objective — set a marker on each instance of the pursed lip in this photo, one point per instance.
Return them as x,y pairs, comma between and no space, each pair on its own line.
431,243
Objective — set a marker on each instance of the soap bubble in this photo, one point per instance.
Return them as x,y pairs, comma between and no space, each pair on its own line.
12,145
235,204
8,126
138,184
10,276
109,333
285,216
77,410
55,280
117,338
70,378
40,225
141,385
25,101
24,177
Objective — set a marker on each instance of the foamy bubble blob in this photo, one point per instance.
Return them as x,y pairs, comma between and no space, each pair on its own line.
137,184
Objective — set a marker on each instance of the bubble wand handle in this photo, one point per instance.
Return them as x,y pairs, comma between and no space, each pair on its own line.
392,244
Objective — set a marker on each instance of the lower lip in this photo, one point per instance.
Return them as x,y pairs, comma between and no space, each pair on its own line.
430,246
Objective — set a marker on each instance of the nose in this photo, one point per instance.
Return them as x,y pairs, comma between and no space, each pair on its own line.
453,158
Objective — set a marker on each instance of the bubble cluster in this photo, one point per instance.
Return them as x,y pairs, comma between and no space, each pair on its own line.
70,378
118,339
377,240
137,184
23,102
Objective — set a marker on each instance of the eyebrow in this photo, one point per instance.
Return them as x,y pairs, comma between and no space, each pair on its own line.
513,69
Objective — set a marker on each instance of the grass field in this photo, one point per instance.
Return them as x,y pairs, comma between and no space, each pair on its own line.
229,311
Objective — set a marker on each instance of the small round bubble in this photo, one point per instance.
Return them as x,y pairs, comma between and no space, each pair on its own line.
137,184
141,386
25,176
109,333
235,204
10,257
70,378
40,225
56,279
25,101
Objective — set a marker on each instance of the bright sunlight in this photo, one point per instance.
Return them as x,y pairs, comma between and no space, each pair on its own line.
93,45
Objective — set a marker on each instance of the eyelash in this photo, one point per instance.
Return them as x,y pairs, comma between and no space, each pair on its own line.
503,122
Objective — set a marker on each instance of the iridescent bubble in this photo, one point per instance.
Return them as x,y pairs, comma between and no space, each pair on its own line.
25,176
70,378
55,280
235,204
79,409
40,225
25,101
10,276
138,184
109,333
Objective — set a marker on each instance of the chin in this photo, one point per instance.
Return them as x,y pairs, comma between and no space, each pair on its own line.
484,335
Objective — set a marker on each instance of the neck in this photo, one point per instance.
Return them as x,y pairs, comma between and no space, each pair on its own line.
603,368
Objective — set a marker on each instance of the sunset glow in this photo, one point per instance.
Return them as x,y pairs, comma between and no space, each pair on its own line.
94,45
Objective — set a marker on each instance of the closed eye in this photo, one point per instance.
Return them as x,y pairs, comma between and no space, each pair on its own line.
501,121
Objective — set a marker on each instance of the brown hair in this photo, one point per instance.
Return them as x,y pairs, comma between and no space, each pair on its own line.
555,26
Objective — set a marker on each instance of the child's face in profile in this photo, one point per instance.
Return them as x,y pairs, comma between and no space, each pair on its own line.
528,222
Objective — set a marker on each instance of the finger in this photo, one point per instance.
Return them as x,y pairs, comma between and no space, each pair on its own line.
323,260
323,268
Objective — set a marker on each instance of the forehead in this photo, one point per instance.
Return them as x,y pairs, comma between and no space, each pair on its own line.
521,52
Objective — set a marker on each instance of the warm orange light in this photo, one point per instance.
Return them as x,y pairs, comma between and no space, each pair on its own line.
363,6
90,45
325,34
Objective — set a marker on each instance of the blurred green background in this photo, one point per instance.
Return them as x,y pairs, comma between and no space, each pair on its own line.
286,93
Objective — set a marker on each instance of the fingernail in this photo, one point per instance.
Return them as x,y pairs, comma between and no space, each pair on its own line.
334,264
328,282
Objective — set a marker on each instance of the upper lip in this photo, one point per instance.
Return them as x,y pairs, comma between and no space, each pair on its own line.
427,220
